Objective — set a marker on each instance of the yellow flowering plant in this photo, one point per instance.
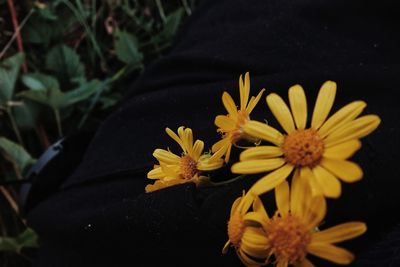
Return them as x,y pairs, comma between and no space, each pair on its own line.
292,232
313,156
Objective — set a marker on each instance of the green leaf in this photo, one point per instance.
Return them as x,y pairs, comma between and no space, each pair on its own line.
9,70
47,13
65,62
16,154
40,81
126,47
27,239
171,25
53,97
26,115
84,91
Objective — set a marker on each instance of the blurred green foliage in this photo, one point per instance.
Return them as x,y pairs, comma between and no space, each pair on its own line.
72,67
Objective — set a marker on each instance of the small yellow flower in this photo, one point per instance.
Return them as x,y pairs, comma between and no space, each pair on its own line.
174,169
242,228
231,125
292,233
320,152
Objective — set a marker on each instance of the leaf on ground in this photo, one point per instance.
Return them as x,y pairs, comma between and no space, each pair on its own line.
127,48
65,62
16,154
40,81
27,239
9,70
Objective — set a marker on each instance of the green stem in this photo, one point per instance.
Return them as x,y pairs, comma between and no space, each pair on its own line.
187,7
161,10
228,181
14,126
58,121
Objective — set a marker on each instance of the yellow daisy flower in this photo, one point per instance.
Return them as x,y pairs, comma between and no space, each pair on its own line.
292,233
320,151
231,125
242,228
174,169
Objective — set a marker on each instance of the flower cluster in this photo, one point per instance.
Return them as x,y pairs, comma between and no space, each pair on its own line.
303,166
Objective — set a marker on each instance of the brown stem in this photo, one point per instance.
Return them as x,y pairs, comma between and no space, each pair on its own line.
10,199
43,136
17,31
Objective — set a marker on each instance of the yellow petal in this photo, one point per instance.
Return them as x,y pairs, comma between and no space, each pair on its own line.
342,116
298,105
245,204
175,137
155,173
281,112
282,197
329,184
263,131
258,207
323,105
171,172
261,152
299,189
205,164
309,176
229,104
188,140
271,180
345,170
225,123
220,144
218,154
353,130
257,165
226,247
197,149
244,91
314,210
343,150
331,253
235,205
166,156
254,242
253,102
255,217
339,233
228,153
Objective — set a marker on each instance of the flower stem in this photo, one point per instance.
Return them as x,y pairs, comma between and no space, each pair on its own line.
228,181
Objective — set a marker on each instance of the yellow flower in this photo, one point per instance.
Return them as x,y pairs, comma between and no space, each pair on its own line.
242,228
292,233
174,169
231,125
320,152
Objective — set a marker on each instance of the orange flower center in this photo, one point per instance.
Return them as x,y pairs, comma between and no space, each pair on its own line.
303,148
235,229
288,238
188,167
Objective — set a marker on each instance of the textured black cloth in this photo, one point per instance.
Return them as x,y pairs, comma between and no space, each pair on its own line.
100,215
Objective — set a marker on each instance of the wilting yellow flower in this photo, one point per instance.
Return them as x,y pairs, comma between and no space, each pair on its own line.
292,233
188,167
242,228
231,125
320,151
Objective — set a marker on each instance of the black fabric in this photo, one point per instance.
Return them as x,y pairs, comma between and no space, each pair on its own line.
100,215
